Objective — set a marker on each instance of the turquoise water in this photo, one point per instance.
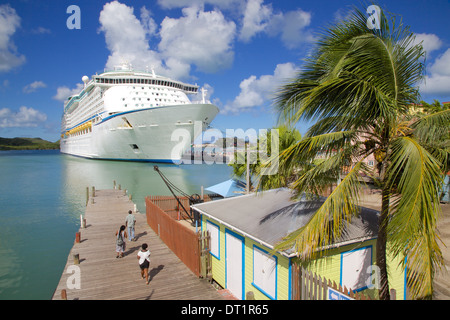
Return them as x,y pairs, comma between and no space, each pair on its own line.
43,193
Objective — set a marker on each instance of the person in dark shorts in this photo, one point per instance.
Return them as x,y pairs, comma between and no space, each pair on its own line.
144,261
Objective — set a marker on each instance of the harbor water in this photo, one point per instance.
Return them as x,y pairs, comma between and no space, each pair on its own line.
43,194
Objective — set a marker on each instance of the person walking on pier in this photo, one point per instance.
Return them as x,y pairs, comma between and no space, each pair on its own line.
130,221
144,261
121,235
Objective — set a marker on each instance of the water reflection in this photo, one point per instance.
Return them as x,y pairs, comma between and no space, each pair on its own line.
43,194
138,178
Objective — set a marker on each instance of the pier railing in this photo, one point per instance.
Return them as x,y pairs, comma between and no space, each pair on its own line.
164,216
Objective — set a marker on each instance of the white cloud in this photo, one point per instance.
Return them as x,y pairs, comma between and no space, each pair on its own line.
430,42
200,38
257,91
256,19
147,21
25,117
290,26
9,22
126,37
62,93
32,87
41,30
438,81
224,4
442,64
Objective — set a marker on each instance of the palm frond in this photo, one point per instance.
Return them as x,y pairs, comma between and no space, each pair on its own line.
433,132
308,148
416,177
328,222
358,84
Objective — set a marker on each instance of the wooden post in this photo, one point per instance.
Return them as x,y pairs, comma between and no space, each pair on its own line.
93,191
84,224
202,255
250,296
64,294
114,184
87,195
76,259
78,237
248,169
393,294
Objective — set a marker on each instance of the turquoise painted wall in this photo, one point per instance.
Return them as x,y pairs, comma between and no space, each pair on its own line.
329,266
219,266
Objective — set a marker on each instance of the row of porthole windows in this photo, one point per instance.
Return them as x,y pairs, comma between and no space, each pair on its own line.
156,99
143,105
175,94
148,99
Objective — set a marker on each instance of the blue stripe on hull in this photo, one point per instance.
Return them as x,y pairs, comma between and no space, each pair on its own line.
130,160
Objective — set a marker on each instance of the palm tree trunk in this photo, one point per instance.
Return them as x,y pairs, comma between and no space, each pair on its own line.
381,246
382,229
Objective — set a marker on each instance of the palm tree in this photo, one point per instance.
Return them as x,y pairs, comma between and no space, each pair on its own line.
357,87
434,107
286,137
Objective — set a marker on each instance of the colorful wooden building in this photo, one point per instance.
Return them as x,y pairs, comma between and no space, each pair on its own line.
245,229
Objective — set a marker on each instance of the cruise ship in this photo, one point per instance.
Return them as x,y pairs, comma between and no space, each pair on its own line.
131,115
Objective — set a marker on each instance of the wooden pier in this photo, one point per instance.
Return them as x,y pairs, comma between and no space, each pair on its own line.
93,272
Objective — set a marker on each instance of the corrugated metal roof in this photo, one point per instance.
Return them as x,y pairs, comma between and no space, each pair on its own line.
271,215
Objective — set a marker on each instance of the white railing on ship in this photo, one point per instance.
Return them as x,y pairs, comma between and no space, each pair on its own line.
201,102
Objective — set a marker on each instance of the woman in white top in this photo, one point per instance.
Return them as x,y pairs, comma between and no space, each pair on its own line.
144,261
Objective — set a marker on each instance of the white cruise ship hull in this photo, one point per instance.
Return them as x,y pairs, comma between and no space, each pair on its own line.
158,134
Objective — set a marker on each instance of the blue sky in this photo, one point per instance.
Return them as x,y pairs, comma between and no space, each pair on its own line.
240,50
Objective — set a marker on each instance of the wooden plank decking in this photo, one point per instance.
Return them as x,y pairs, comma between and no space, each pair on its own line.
104,277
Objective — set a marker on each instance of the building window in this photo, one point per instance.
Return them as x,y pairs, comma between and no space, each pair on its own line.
215,238
265,272
355,266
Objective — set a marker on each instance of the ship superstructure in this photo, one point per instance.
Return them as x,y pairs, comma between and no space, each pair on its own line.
125,114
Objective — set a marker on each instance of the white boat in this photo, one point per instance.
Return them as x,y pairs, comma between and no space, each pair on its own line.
131,115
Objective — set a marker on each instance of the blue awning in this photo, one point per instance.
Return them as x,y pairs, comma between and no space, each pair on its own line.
229,188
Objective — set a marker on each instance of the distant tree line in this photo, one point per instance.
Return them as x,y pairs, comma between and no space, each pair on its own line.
27,144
